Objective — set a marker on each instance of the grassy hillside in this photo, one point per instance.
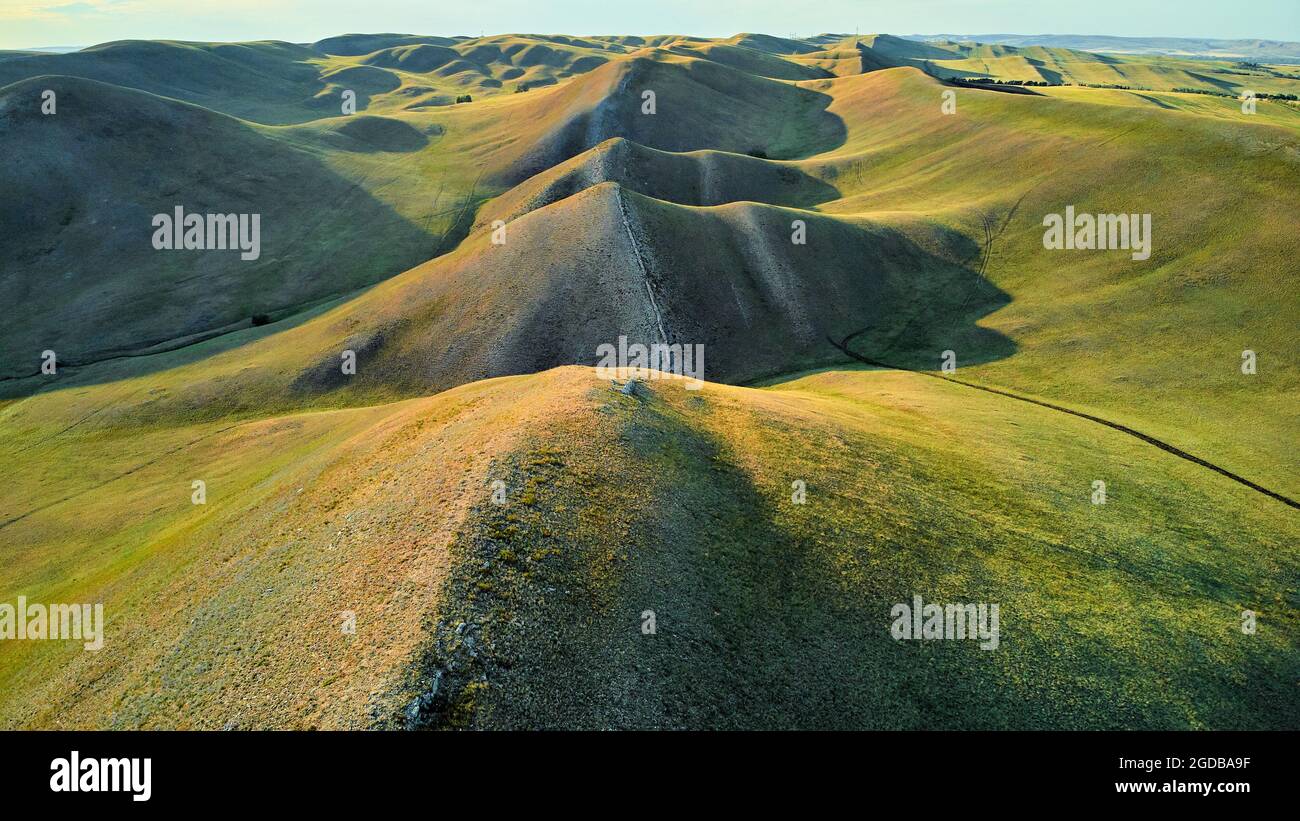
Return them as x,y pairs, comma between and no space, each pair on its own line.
370,492
1264,51
1063,66
886,133
768,613
727,277
278,83
77,215
1156,343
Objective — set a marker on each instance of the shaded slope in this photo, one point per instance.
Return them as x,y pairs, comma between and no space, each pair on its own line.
270,82
79,212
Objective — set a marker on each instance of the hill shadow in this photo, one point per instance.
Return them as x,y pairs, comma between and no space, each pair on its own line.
939,310
369,134
148,301
733,282
1051,76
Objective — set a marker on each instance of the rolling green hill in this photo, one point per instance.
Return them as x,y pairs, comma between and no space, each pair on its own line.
474,256
768,614
1064,66
1264,51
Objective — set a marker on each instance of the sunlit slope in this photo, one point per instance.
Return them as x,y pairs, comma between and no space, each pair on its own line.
343,201
277,82
767,613
1057,66
1156,343
1257,50
354,45
434,74
230,613
1265,111
753,58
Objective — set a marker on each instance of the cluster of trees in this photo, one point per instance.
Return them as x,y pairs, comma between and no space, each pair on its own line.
464,98
1254,69
1207,92
991,81
1259,95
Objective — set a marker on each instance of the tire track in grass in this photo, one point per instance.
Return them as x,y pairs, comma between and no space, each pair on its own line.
1137,434
118,476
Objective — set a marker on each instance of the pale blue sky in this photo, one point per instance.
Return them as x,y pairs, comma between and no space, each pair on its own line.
31,23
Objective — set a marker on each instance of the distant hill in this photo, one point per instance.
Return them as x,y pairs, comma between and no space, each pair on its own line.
1261,51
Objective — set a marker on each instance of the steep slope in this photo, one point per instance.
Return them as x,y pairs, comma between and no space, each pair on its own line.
308,255
727,277
903,169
